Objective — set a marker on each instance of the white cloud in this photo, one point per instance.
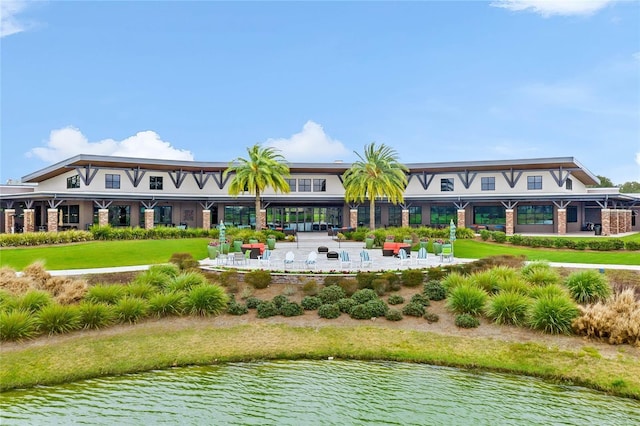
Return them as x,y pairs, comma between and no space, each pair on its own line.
9,23
548,8
69,141
312,144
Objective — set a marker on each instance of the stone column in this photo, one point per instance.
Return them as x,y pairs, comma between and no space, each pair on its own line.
206,219
103,217
148,218
52,220
605,217
628,216
9,221
353,218
613,222
462,218
562,221
29,220
262,217
508,229
405,217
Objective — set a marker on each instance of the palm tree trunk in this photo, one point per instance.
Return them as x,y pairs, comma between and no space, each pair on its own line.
258,221
372,214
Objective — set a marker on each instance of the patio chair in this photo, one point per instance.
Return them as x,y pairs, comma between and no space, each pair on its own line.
344,259
265,258
404,257
365,259
447,253
311,261
289,260
238,258
421,257
247,257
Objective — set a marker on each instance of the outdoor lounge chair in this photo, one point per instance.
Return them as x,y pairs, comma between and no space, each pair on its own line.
344,259
404,257
447,253
289,260
265,258
311,261
365,259
421,257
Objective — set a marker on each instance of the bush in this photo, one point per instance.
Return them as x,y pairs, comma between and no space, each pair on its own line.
109,294
380,286
467,321
485,234
553,315
95,315
588,286
130,309
393,315
346,304
252,302
311,303
360,311
165,304
17,325
141,290
310,288
187,281
467,299
632,245
393,280
169,269
291,309
434,290
499,236
516,285
33,301
365,279
58,319
279,301
65,290
617,319
412,277
413,309
258,278
395,299
542,277
421,299
331,294
508,308
329,311
548,291
364,295
348,285
377,307
267,309
431,317
184,261
235,308
206,300
156,276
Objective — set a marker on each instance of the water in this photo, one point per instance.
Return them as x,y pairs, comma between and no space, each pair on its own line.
316,393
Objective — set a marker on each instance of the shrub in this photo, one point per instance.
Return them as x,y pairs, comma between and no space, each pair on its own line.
258,278
289,290
346,304
279,300
499,236
57,319
236,308
431,317
588,286
365,279
141,290
393,280
632,245
310,288
421,299
252,302
186,281
331,294
553,315
291,309
130,309
206,300
485,234
453,280
311,303
109,294
516,285
33,301
184,261
508,308
330,280
413,309
380,286
412,277
485,280
95,315
266,310
7,301
329,311
548,291
467,299
348,285
156,277
165,304
228,278
393,315
36,273
17,325
542,277
467,321
377,307
360,311
434,290
395,299
65,290
364,295
169,269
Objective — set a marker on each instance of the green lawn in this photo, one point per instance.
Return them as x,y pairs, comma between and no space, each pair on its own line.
98,254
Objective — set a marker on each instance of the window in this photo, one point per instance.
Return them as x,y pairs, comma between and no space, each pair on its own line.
162,215
415,215
364,217
112,181
118,215
292,184
319,185
240,216
568,184
155,182
488,184
304,185
446,184
489,215
572,214
73,182
535,215
70,214
534,182
395,216
442,215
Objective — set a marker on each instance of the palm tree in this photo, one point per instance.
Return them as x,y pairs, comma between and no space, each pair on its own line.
264,168
378,174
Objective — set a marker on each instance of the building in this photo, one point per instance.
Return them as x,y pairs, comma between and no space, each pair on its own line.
542,195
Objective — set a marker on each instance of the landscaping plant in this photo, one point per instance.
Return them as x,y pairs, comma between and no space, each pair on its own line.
467,299
206,299
553,314
58,319
508,307
588,286
17,325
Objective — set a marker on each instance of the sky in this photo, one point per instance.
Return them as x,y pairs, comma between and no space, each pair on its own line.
437,81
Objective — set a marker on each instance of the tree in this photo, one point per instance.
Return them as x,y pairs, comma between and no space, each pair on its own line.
265,167
605,182
630,187
377,174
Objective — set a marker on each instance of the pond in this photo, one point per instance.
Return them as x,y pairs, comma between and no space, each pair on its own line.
326,392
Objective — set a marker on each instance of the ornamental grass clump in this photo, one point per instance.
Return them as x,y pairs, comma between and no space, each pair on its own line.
7,301
453,280
503,273
311,303
169,269
17,325
485,280
588,286
33,301
187,281
434,290
205,300
508,308
552,290
130,310
95,315
331,294
166,304
66,291
105,293
515,284
540,273
141,290
467,299
553,315
155,277
258,279
58,319
329,311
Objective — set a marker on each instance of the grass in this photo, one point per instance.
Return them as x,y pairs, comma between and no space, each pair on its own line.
151,252
141,349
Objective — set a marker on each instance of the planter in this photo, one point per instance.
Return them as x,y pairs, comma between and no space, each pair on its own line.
271,243
423,244
368,243
437,248
237,245
408,241
253,241
224,248
213,251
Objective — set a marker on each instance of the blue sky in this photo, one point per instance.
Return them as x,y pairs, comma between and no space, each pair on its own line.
438,81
